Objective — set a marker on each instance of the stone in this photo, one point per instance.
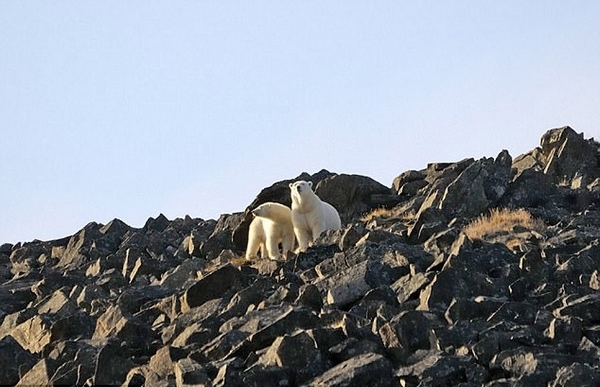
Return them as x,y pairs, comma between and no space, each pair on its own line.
363,370
297,352
190,373
568,153
577,375
224,280
14,361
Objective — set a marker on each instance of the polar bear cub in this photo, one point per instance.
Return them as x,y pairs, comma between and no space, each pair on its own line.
310,215
272,225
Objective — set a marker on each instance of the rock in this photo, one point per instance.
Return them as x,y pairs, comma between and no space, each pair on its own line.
33,334
438,370
405,178
485,271
354,195
190,373
222,236
221,281
299,353
568,153
117,323
363,370
576,375
587,308
14,361
478,187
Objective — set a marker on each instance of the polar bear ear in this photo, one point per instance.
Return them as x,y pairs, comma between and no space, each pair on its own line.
310,184
291,185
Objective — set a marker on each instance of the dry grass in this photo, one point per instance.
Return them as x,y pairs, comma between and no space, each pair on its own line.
502,220
241,261
386,214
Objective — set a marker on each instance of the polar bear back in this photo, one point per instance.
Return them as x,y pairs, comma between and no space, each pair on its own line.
332,218
276,212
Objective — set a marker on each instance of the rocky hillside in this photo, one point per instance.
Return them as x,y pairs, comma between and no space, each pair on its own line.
401,296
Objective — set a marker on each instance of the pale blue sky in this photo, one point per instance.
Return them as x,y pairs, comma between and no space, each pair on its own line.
129,109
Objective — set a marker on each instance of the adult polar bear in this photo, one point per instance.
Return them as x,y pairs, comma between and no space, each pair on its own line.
272,225
310,215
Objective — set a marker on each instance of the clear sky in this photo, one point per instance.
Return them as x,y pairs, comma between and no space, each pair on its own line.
129,109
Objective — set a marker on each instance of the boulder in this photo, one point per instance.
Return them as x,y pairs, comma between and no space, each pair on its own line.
363,370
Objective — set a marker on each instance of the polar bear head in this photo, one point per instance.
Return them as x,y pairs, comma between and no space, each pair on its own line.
302,193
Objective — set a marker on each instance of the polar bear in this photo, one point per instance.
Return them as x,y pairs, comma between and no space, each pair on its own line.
272,225
310,215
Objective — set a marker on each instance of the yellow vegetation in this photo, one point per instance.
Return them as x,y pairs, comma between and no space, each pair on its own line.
502,220
386,213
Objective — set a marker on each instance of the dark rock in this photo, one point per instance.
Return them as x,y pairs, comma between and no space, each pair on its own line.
435,369
225,279
587,308
354,195
577,375
485,271
363,370
430,221
299,353
221,237
160,223
478,187
190,373
117,323
568,153
14,361
352,347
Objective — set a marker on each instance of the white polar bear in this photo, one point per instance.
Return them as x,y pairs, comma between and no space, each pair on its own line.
272,224
310,215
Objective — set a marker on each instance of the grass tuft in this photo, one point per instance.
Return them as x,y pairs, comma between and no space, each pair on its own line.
502,220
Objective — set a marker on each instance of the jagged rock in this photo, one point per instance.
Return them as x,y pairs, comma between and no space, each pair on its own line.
33,334
354,195
117,323
14,361
484,271
221,281
190,373
435,369
478,187
409,182
586,308
429,221
352,347
568,153
532,367
363,370
299,353
222,236
577,375
349,285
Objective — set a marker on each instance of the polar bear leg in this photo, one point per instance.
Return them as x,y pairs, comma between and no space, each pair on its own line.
254,246
256,240
287,244
304,238
272,248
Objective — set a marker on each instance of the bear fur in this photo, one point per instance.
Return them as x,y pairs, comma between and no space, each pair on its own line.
272,225
310,215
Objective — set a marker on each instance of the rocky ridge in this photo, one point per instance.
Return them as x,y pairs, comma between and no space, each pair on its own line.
401,297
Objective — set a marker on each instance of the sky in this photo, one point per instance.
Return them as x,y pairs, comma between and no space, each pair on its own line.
129,109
